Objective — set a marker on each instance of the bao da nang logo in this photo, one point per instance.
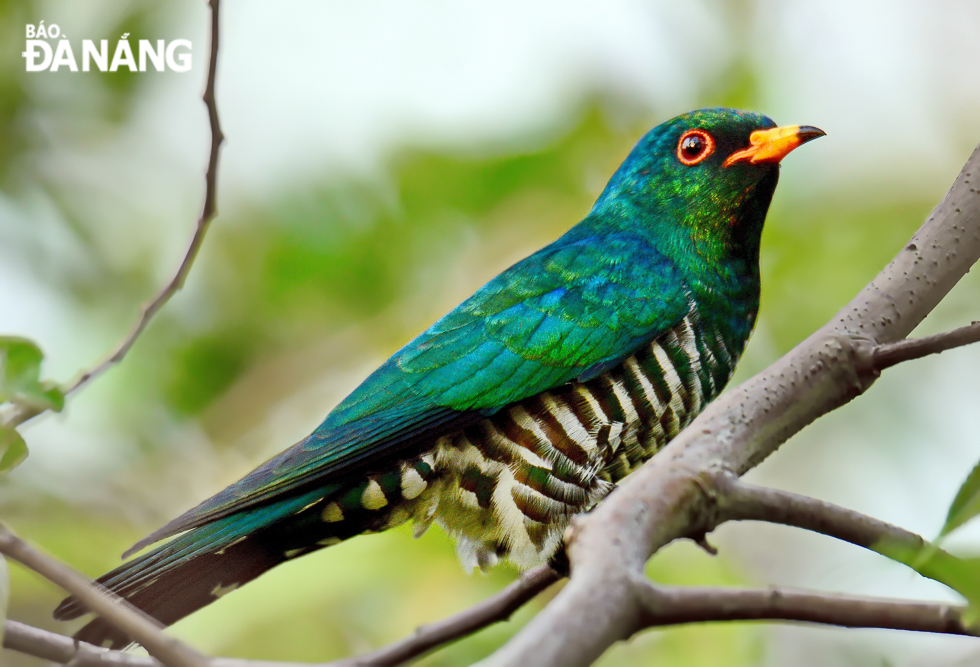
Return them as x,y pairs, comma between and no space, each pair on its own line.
159,54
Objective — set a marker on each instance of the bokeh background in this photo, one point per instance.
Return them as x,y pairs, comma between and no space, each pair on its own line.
383,160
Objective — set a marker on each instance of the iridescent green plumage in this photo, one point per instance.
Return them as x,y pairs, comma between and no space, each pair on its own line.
525,403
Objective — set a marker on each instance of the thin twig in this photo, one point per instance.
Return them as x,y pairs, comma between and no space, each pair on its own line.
497,608
27,639
739,501
674,605
889,354
150,308
112,608
57,648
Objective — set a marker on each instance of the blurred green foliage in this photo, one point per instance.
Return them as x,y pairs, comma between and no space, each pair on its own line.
312,261
14,101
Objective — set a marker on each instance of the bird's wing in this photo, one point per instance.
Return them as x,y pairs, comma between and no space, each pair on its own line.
567,312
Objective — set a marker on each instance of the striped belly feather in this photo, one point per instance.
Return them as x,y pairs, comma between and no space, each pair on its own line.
557,454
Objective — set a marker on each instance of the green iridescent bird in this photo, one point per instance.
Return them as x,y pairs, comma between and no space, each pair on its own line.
529,401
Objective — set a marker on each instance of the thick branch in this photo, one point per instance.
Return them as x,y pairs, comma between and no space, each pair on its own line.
140,627
665,498
150,308
670,606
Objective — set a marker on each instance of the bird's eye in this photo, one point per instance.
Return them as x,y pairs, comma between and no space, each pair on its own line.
694,147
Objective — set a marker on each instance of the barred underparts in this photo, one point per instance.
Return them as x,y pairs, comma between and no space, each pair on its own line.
507,486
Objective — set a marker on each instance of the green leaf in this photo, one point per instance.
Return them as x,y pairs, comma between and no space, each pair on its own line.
13,449
20,363
20,376
929,560
4,595
51,396
960,574
966,504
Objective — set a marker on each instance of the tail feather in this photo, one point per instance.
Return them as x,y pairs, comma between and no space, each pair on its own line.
198,567
184,589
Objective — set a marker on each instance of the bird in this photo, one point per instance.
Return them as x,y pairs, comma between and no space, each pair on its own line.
527,403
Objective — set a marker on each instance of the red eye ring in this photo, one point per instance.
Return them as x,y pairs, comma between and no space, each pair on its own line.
694,146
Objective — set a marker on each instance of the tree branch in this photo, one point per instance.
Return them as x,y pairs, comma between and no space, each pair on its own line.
129,619
51,646
27,639
498,607
889,354
739,501
665,498
736,500
65,650
662,606
149,309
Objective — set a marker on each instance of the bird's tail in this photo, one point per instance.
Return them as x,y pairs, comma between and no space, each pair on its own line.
204,563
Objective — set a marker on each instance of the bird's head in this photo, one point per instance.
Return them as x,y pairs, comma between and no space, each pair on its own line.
703,180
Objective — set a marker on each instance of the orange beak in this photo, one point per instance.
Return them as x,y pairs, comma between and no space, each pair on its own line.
775,144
